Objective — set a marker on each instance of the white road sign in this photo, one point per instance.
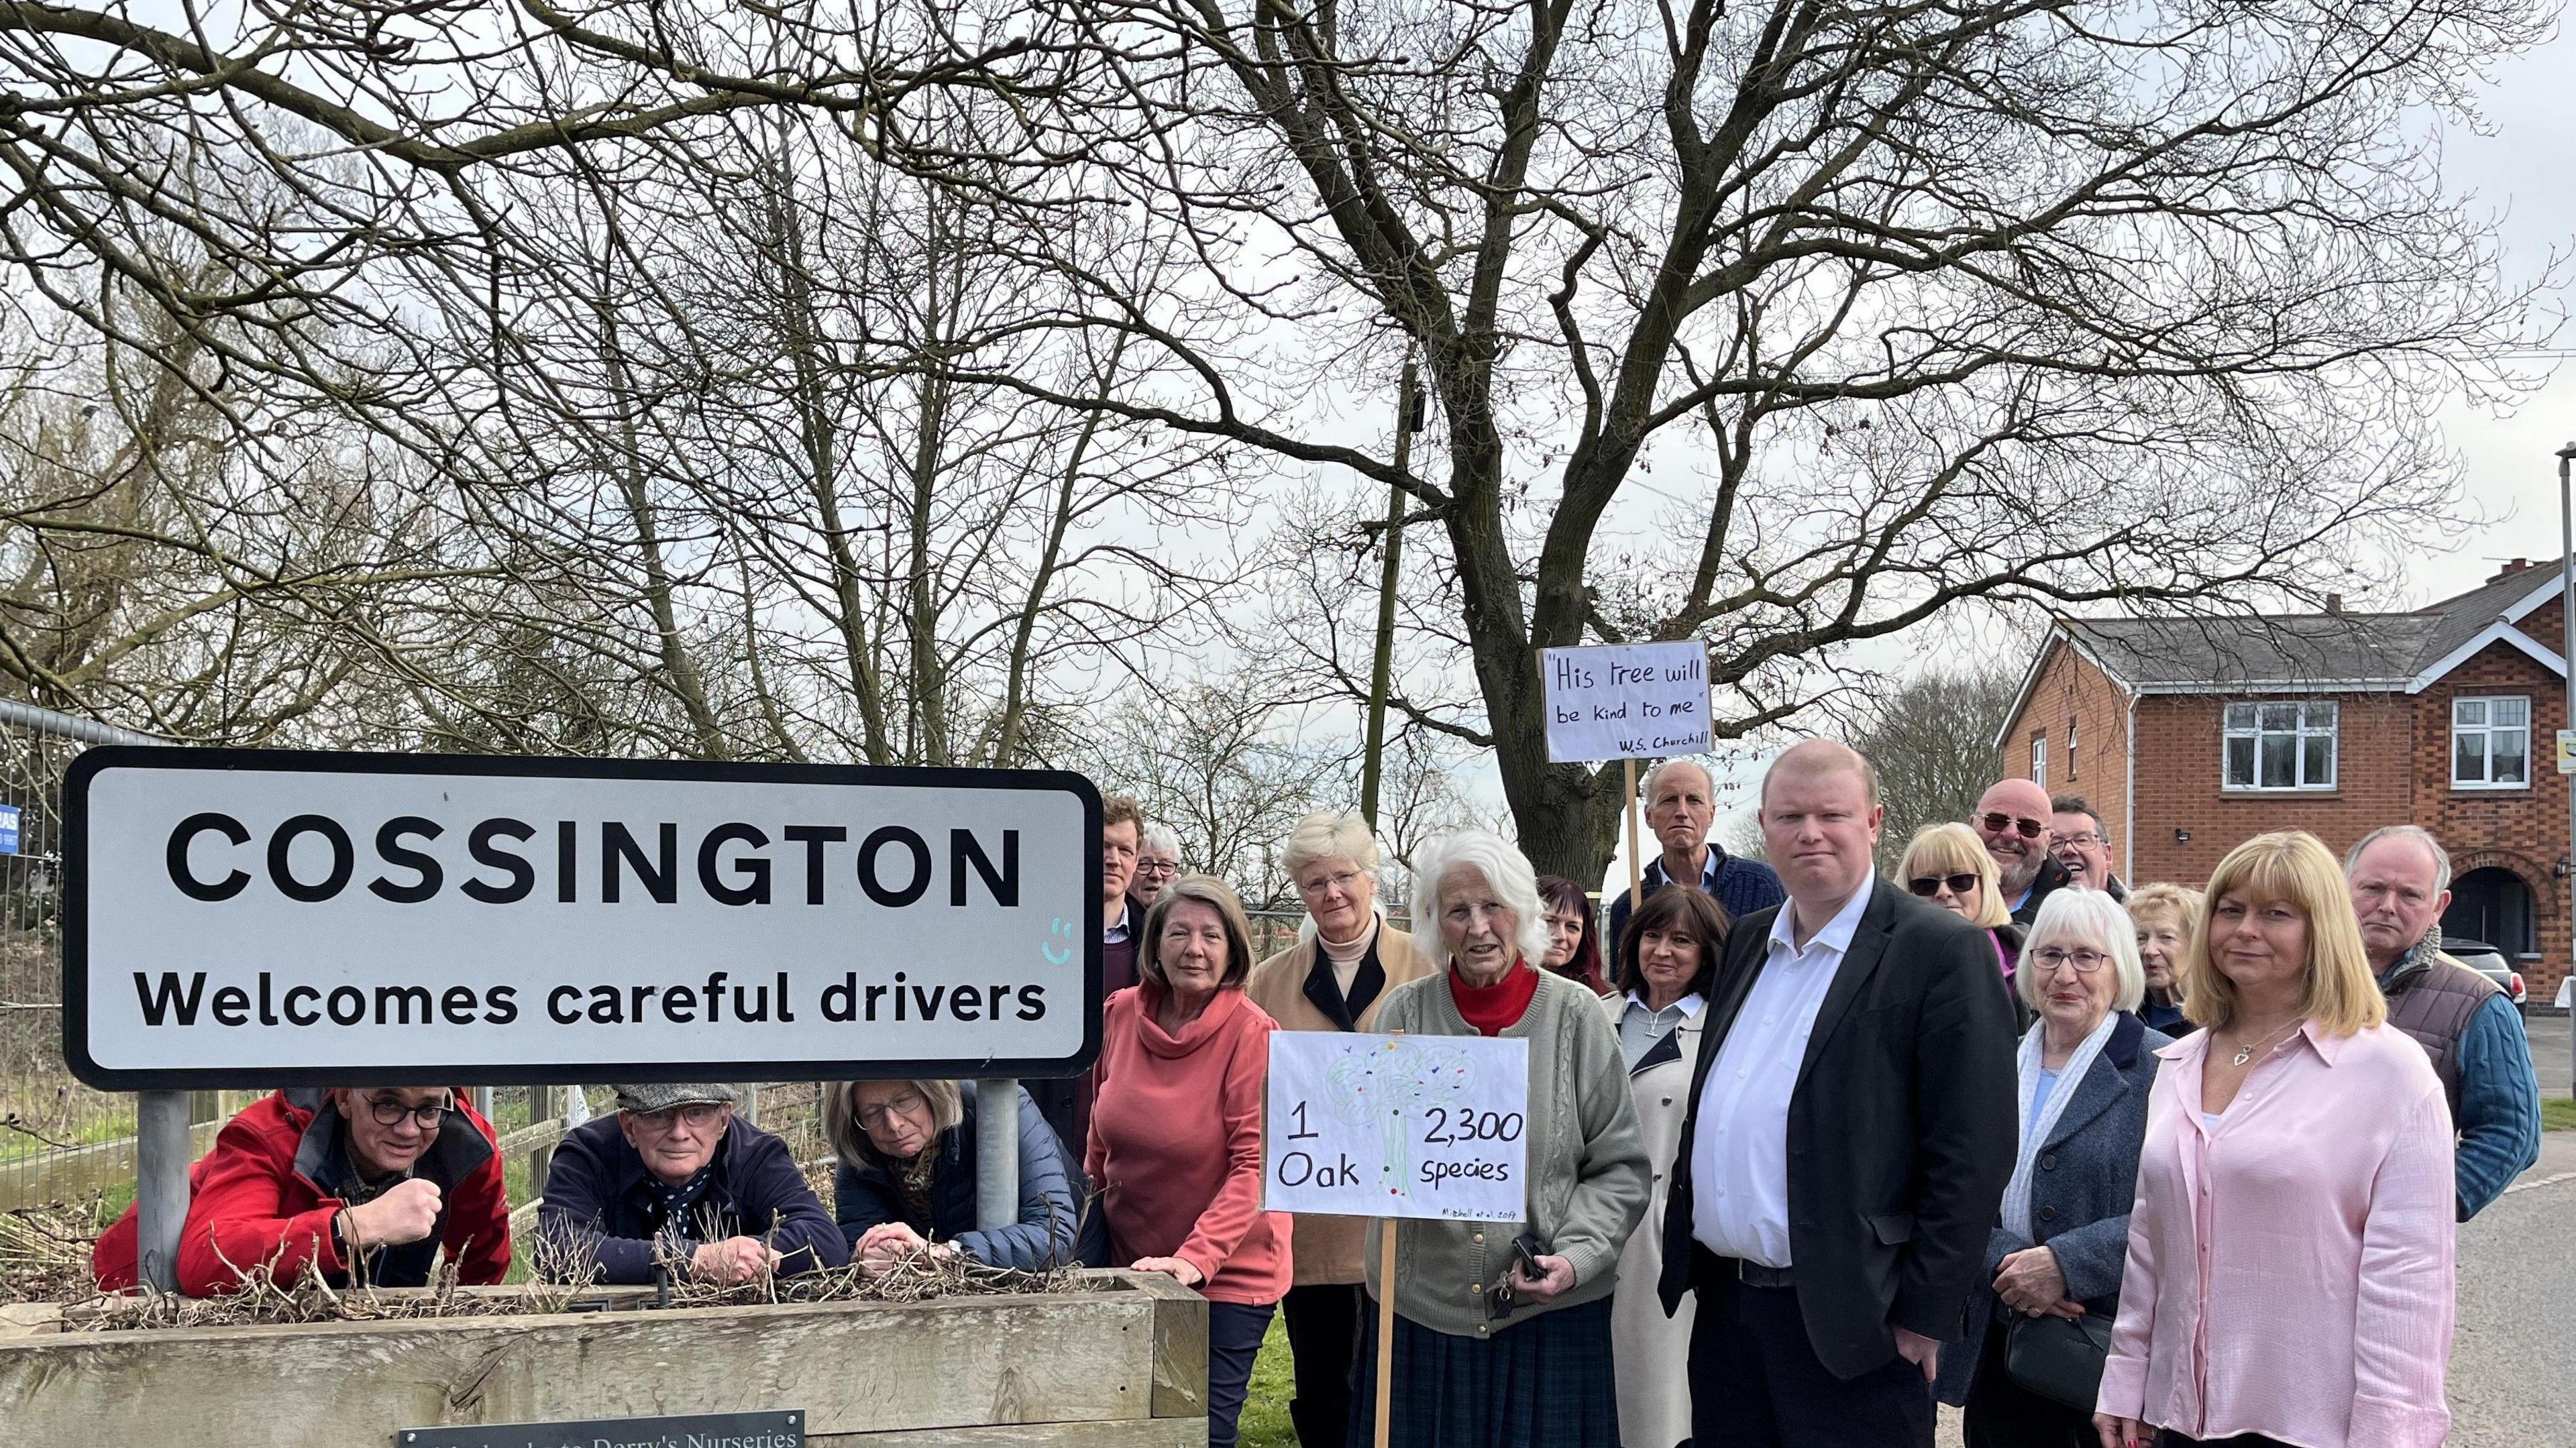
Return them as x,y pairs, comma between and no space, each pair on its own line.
266,918
1397,1126
1626,701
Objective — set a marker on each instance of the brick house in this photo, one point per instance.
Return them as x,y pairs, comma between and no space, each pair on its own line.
2188,735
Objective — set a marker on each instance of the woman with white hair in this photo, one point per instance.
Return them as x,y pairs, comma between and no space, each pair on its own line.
2040,1322
1488,1351
1334,978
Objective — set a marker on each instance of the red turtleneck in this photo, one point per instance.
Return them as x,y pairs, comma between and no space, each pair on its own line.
1494,1009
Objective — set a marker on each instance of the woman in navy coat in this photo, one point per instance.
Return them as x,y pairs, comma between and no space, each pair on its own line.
2063,1240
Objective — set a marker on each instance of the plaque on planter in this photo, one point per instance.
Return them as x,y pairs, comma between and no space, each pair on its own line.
709,1430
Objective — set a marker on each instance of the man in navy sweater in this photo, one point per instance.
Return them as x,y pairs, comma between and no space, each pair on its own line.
1680,805
675,1178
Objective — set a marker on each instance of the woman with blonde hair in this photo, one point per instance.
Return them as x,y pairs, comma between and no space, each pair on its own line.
1346,960
1948,865
1175,1141
906,1182
2289,1275
2164,915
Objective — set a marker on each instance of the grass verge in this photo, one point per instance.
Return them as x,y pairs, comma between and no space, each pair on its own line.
2557,1113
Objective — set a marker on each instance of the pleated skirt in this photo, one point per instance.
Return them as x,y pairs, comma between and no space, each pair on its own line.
1544,1382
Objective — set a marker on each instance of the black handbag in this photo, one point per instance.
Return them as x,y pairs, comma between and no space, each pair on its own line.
2058,1358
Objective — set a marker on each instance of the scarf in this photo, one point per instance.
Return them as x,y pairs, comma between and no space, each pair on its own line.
2017,1192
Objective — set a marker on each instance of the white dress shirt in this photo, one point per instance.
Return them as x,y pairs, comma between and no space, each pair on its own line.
1740,1155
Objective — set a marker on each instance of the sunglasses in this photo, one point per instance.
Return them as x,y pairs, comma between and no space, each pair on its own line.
1997,823
1928,886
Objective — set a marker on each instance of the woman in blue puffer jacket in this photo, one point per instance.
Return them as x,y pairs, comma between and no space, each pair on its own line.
907,1177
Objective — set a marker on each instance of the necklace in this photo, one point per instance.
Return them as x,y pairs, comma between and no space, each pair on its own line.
2245,1050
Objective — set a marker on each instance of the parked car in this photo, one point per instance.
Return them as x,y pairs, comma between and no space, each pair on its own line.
2488,961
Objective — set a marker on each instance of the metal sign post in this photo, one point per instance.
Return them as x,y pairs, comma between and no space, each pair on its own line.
997,1153
161,1158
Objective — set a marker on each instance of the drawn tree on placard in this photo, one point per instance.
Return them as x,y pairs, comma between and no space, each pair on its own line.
1387,1087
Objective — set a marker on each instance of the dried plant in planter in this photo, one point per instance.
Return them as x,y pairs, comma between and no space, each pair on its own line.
44,1254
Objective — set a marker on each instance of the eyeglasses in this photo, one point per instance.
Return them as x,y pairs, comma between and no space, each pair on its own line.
1345,881
389,1111
2084,841
1997,822
1158,867
2085,961
875,1116
1928,886
696,1113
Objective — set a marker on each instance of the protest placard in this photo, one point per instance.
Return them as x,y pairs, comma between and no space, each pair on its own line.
1397,1126
1626,701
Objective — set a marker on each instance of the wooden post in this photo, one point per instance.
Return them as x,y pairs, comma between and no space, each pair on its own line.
1386,1318
1636,866
1385,1325
1382,669
545,1103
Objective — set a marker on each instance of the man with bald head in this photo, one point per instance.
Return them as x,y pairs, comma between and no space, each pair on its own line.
2012,818
1681,803
1851,1128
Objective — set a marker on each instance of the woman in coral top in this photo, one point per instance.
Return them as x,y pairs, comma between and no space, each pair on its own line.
2289,1273
1179,1183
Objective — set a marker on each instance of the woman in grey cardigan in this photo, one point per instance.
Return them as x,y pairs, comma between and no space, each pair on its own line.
2063,1241
1487,1354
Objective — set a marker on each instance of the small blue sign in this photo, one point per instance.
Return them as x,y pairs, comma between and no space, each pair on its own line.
8,829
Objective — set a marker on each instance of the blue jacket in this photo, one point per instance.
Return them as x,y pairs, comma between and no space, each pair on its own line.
601,1199
1742,886
1043,1237
2082,1187
2499,1105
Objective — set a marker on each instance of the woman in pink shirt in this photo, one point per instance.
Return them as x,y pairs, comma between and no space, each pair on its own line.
2289,1273
1175,1139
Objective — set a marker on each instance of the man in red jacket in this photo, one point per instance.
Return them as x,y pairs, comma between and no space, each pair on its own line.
367,1183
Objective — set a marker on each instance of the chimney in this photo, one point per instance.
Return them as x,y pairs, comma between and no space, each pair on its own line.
2511,568
2334,604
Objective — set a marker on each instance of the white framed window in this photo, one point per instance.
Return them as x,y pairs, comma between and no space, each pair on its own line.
2039,758
2279,746
2491,742
2070,749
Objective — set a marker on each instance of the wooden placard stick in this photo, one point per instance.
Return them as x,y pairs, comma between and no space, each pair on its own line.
1636,866
1386,1316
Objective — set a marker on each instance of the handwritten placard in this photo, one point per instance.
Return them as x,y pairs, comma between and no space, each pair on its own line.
1397,1126
1626,701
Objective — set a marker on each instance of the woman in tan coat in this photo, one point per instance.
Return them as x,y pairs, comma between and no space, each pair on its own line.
1344,963
1666,964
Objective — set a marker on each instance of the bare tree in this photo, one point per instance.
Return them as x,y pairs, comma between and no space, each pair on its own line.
1933,742
1791,325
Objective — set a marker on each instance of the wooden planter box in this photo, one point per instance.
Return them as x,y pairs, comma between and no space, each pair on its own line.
1121,1367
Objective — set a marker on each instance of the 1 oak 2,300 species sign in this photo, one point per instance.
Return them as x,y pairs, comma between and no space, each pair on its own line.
1397,1126
264,918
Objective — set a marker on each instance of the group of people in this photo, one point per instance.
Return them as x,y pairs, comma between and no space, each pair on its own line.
1808,1149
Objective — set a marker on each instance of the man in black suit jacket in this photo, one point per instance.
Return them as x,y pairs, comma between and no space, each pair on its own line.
1851,1128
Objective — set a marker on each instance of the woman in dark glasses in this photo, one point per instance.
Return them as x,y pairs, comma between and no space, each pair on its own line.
1948,865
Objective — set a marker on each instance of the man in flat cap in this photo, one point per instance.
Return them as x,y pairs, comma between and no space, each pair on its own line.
674,1176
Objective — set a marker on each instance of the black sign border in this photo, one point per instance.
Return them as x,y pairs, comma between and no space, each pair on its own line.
75,922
